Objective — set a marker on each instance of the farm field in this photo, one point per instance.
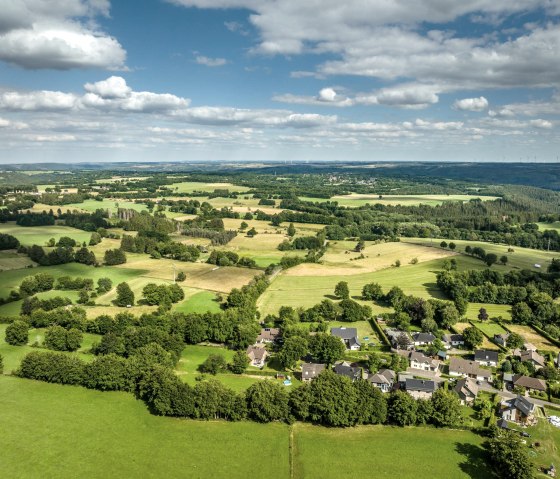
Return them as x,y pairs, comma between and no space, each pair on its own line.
418,452
30,235
142,445
531,336
13,260
355,200
192,186
522,258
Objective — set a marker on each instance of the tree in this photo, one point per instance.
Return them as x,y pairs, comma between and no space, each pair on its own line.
448,316
213,364
446,409
125,296
326,348
333,400
267,401
17,333
452,246
341,290
94,239
352,311
85,256
371,407
429,325
243,226
372,292
403,341
509,456
294,348
291,230
252,232
503,259
468,249
397,263
521,313
472,337
104,285
443,244
515,341
401,409
240,362
181,276
490,259
482,314
114,256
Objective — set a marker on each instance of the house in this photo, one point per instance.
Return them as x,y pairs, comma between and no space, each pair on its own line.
345,369
486,358
529,347
268,335
257,355
383,379
402,377
534,358
394,334
467,390
349,336
419,361
529,383
468,369
420,388
518,409
442,355
501,339
423,339
453,340
502,424
310,371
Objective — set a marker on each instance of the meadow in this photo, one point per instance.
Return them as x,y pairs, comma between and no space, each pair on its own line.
110,205
39,235
13,260
193,186
531,336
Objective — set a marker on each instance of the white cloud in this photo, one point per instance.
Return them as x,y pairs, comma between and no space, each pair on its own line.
210,62
112,87
539,123
410,96
38,34
326,97
471,104
37,100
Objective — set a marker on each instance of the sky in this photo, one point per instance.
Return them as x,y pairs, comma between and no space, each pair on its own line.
279,80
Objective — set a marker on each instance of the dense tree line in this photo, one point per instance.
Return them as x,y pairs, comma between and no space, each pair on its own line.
230,258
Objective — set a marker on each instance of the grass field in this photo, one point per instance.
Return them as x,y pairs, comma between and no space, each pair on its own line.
522,258
493,310
192,186
387,452
490,328
355,200
30,235
111,205
13,260
531,336
198,302
486,343
549,226
66,432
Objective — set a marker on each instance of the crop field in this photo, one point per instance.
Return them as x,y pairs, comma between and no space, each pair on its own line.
355,200
40,424
418,452
522,258
531,336
39,235
192,186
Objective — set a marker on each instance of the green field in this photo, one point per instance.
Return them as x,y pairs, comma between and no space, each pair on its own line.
54,431
39,235
358,200
12,260
490,328
192,186
111,205
493,310
387,452
199,302
549,226
14,308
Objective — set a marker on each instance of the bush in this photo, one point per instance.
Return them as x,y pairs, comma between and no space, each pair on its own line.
52,367
214,364
17,333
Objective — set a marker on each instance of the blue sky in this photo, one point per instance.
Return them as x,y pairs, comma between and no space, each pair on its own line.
259,80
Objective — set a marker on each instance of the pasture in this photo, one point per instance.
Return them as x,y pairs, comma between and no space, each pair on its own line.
531,336
387,452
198,301
41,422
193,186
13,260
490,328
111,205
356,200
493,310
39,235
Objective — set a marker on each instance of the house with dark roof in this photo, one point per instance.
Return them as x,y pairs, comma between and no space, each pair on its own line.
384,379
518,409
534,358
453,340
310,371
423,339
395,334
485,357
269,335
349,336
501,339
419,361
345,369
257,355
467,390
468,369
529,383
420,388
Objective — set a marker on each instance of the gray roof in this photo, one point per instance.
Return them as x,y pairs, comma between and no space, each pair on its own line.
522,404
529,382
485,355
448,338
423,385
423,337
344,369
467,387
533,356
345,333
383,376
463,366
311,370
502,423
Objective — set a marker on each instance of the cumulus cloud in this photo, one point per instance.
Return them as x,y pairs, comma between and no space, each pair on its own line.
471,104
410,96
210,62
539,123
326,97
36,34
112,87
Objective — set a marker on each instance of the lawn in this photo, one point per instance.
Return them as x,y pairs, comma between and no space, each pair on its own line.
66,432
355,200
490,328
39,235
387,452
